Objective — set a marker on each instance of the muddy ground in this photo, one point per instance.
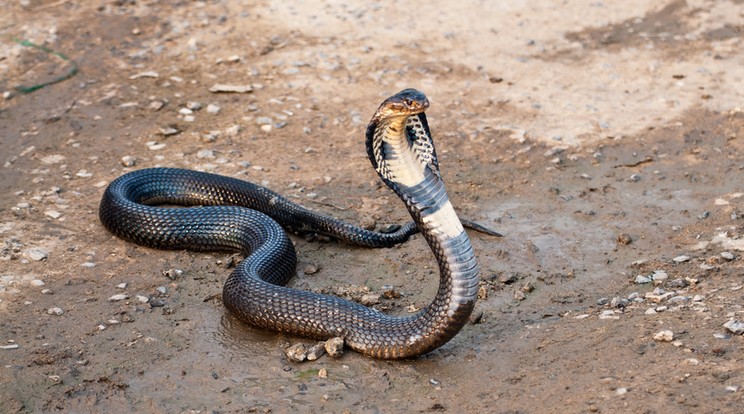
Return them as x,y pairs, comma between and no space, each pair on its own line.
603,140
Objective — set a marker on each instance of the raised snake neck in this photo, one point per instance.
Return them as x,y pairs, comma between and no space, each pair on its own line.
400,148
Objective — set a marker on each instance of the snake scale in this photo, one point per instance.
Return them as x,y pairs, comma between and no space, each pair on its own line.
241,216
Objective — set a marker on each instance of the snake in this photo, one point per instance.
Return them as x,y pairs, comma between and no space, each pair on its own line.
229,214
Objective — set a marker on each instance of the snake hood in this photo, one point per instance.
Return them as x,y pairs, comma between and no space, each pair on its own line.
399,143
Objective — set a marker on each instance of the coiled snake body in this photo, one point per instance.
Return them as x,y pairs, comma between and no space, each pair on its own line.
400,148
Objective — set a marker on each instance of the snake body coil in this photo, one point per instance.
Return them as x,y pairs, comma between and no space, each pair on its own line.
400,148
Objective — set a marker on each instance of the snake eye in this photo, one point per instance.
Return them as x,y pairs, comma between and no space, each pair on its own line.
408,102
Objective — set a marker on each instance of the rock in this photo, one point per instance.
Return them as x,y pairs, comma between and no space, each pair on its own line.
735,326
55,311
650,311
118,297
316,351
727,255
172,274
322,373
619,303
296,352
602,301
369,299
658,296
36,254
213,108
53,214
335,347
168,131
677,284
681,259
609,314
664,336
624,239
10,346
659,276
128,161
310,269
641,280
37,282
507,279
219,87
389,292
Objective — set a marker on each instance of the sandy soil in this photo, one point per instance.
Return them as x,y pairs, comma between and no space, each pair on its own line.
604,141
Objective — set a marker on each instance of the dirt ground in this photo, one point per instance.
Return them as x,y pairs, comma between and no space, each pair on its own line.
604,140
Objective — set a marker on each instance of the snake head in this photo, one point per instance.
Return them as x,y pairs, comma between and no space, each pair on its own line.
403,104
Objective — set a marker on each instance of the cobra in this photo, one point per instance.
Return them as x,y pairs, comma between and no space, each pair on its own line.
238,215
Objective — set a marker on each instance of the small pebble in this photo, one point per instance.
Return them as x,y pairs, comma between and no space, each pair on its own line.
641,280
296,352
316,351
37,282
681,259
719,335
36,254
194,106
727,255
322,373
389,292
619,303
335,347
664,336
161,290
621,391
635,178
121,286
624,239
213,109
369,299
310,269
128,161
118,297
232,130
603,301
10,346
168,131
650,311
608,314
172,274
217,88
53,214
735,326
659,275
142,299
55,311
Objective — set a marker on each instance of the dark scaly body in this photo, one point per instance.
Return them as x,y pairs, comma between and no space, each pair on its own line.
400,149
